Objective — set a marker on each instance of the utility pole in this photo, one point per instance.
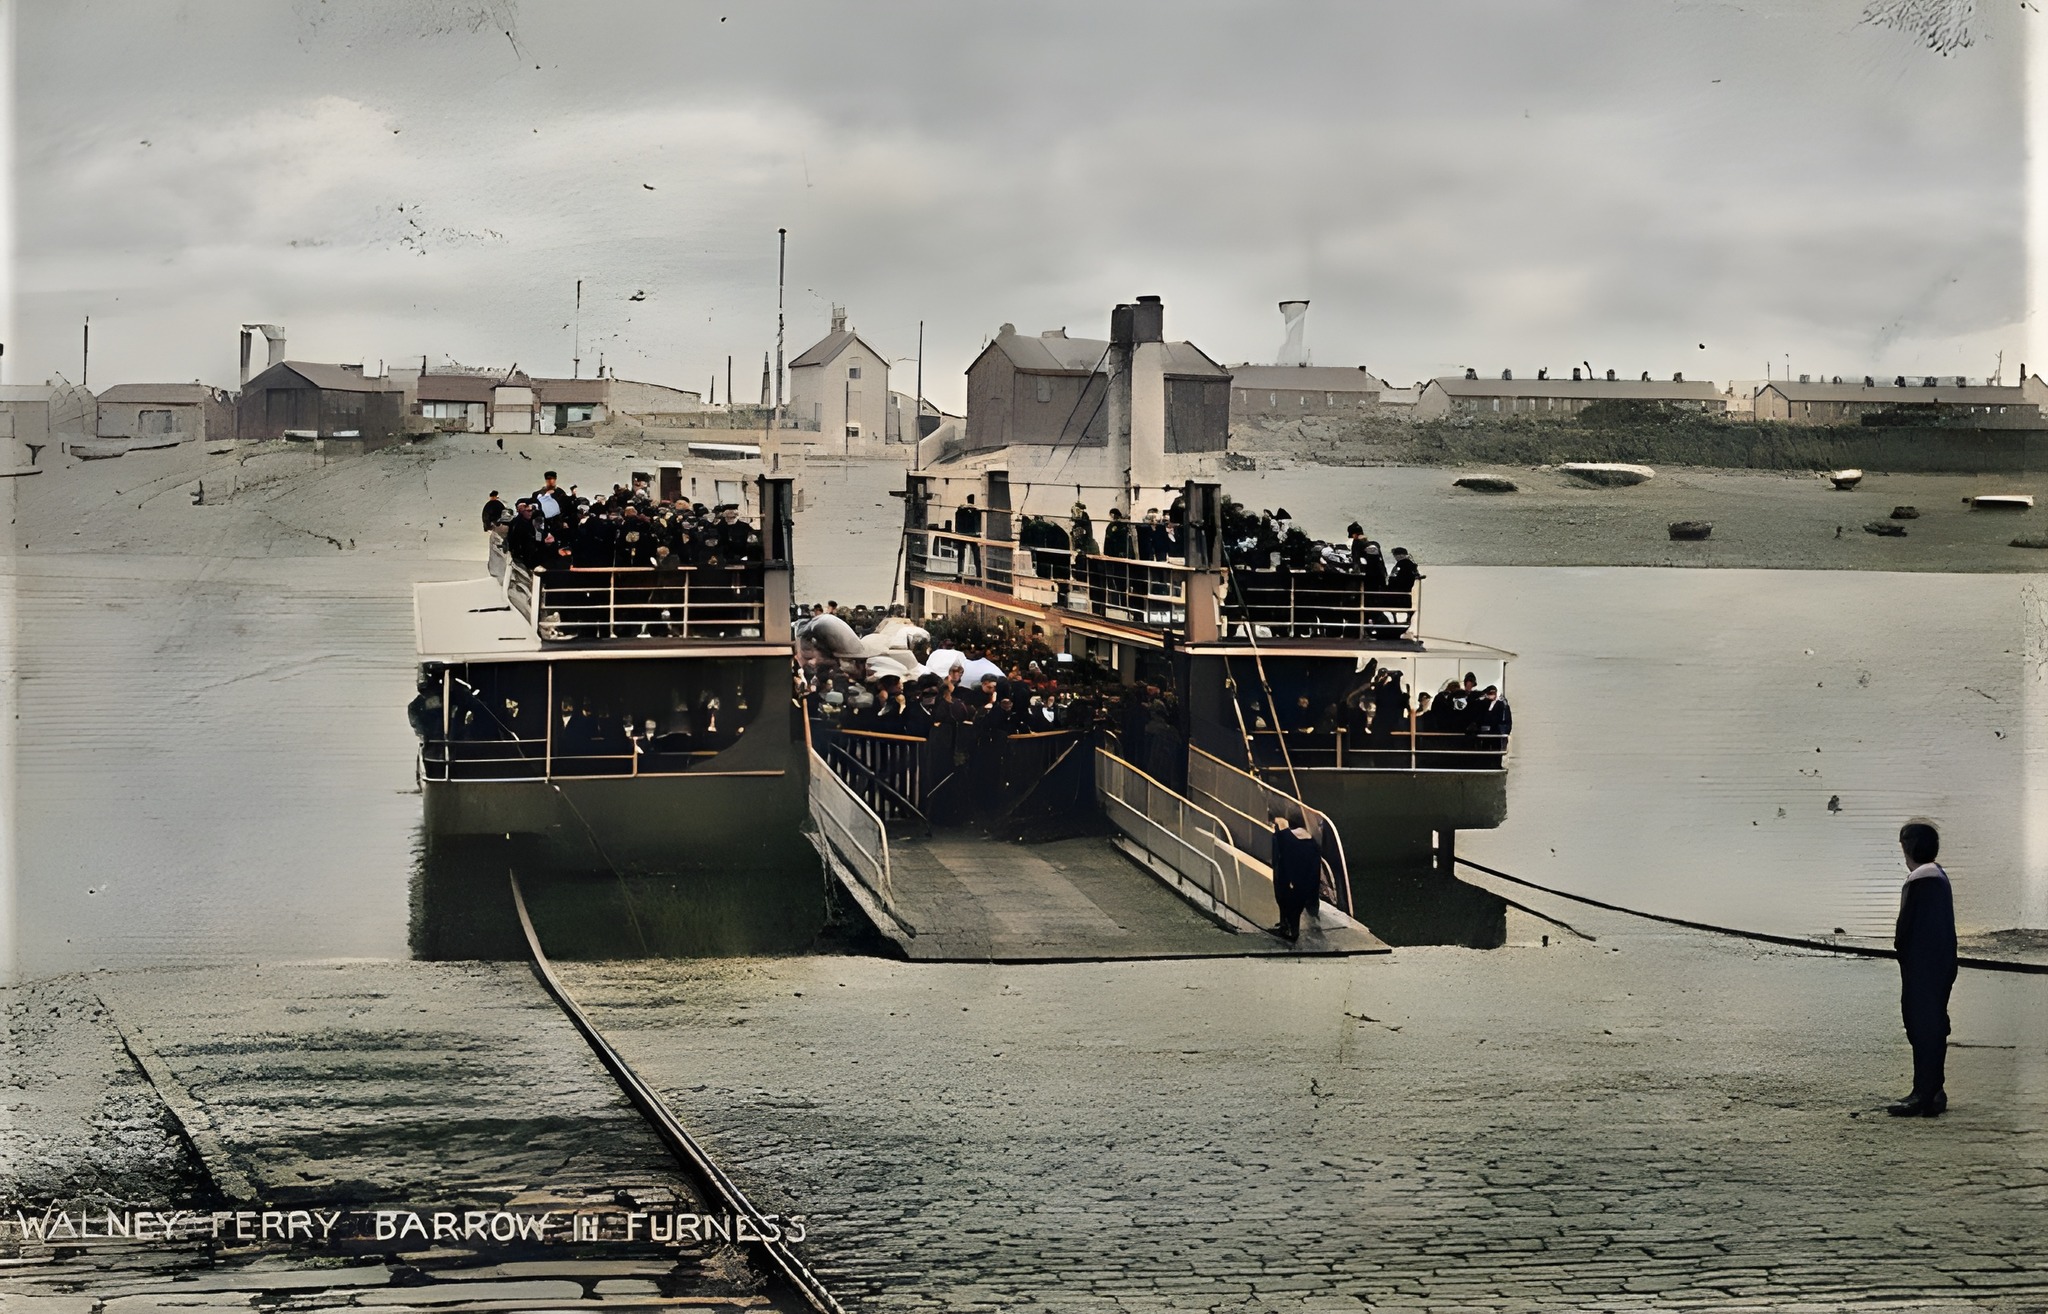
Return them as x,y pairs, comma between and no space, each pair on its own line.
781,274
920,381
728,379
576,350
85,356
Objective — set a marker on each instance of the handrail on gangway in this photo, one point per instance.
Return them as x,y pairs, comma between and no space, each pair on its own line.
853,832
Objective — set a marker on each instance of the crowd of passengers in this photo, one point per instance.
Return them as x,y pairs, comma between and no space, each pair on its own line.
983,683
1369,593
489,735
1377,712
557,527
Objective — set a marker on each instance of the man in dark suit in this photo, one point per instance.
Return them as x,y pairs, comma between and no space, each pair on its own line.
1926,945
1297,863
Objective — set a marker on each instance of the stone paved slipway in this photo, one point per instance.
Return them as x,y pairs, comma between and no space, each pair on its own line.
1651,1119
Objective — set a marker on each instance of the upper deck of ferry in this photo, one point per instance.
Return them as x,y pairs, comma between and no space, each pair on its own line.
514,612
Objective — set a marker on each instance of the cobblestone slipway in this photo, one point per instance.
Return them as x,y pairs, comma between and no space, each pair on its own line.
1646,1120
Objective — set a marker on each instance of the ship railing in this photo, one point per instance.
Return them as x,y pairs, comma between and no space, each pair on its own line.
854,830
894,767
941,554
1151,593
1245,804
1404,750
628,602
1186,839
539,759
1303,604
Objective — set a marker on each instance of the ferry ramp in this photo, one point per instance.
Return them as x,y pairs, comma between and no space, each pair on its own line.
1164,884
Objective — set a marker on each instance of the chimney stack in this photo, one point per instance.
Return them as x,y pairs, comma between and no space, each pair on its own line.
1123,339
839,319
1294,349
1148,321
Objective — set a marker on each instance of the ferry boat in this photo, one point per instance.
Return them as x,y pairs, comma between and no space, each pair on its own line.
1258,653
628,733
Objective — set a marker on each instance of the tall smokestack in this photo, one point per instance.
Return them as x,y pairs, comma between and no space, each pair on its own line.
246,347
1123,340
1294,351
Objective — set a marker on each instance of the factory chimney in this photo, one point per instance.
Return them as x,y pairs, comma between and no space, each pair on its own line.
273,339
1294,351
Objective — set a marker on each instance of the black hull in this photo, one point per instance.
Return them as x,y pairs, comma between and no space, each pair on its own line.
675,866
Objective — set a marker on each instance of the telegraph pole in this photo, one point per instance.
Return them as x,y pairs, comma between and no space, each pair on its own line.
576,361
781,273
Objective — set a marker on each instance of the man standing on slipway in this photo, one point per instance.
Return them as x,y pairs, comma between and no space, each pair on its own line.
1926,944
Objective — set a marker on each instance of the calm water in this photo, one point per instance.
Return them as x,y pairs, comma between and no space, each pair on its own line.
213,761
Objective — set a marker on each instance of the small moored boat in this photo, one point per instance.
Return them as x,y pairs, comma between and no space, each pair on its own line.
1607,474
1844,480
2002,502
1686,530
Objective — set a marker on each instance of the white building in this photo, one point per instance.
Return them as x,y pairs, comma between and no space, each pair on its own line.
838,396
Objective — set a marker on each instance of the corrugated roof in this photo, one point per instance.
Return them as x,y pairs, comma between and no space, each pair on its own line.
468,387
1187,358
336,378
1889,394
1308,378
159,394
1581,389
1052,355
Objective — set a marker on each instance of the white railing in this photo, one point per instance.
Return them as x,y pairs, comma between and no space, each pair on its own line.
1246,805
1192,842
855,833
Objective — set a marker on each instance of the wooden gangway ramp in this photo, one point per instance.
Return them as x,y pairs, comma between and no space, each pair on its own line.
1142,891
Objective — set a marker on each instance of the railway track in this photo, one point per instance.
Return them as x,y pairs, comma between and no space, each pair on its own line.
775,1257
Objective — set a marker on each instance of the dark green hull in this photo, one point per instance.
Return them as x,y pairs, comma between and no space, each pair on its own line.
711,862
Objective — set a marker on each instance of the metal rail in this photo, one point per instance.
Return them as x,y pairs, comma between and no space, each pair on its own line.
710,1178
857,833
1186,837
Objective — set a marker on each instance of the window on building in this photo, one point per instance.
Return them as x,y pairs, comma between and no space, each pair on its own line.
444,410
1329,399
155,422
1496,403
853,371
1272,399
817,412
1045,390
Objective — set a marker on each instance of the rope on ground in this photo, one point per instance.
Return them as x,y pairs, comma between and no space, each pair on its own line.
1790,941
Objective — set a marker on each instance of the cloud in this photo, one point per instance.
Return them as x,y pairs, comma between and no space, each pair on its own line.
1489,183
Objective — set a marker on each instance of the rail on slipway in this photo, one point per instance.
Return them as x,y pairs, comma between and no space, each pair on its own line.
776,1257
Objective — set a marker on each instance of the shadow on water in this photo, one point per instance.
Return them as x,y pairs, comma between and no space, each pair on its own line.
1422,906
461,908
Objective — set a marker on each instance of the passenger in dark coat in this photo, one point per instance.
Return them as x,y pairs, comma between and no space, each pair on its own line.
1297,875
1926,945
494,511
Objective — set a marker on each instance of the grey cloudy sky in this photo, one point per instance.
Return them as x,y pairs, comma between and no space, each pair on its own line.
1513,184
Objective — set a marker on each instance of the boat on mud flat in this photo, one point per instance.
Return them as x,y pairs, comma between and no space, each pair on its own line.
1289,675
621,723
1607,474
1844,480
2001,502
1691,530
